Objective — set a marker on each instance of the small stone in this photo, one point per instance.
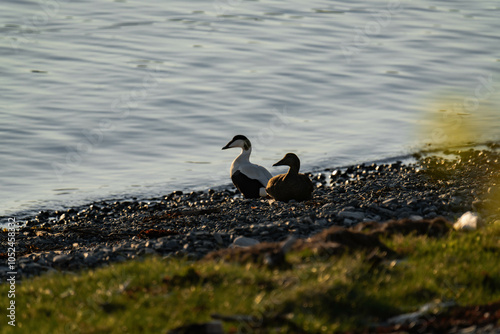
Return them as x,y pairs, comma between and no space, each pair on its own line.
431,215
455,200
386,211
218,238
329,206
336,173
403,213
146,251
244,242
389,201
171,244
429,209
412,201
60,259
321,221
356,215
349,222
306,220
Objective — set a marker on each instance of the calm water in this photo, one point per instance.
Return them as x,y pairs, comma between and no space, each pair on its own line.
108,99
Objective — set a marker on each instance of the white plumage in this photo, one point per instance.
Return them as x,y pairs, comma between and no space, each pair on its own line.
251,170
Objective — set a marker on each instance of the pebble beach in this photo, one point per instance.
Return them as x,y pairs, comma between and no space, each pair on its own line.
440,184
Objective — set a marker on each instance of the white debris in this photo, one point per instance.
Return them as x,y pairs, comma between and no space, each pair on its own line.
416,218
468,222
414,316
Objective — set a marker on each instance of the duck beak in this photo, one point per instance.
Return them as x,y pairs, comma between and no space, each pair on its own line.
228,145
280,163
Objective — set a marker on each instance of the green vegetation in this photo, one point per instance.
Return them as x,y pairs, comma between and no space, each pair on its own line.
316,294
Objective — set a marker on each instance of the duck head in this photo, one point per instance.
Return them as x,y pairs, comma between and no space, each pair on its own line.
239,141
290,159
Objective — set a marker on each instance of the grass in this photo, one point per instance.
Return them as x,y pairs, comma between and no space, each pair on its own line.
317,295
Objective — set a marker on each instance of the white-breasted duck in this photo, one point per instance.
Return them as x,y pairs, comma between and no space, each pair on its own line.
249,178
292,185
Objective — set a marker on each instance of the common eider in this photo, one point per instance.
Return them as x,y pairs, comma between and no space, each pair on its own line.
249,178
292,185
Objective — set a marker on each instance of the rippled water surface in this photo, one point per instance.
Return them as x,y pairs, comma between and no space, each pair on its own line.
109,99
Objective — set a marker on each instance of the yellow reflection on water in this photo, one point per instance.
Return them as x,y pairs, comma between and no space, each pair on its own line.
453,120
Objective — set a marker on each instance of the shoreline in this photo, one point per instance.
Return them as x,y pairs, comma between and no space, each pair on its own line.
321,166
197,223
143,196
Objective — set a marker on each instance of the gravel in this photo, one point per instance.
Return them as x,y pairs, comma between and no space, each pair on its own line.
196,223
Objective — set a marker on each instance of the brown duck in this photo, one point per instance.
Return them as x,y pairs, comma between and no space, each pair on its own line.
292,185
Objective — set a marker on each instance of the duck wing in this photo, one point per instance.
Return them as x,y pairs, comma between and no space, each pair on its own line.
256,172
275,185
307,183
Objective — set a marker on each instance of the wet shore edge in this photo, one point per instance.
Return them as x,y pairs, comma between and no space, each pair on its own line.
195,224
